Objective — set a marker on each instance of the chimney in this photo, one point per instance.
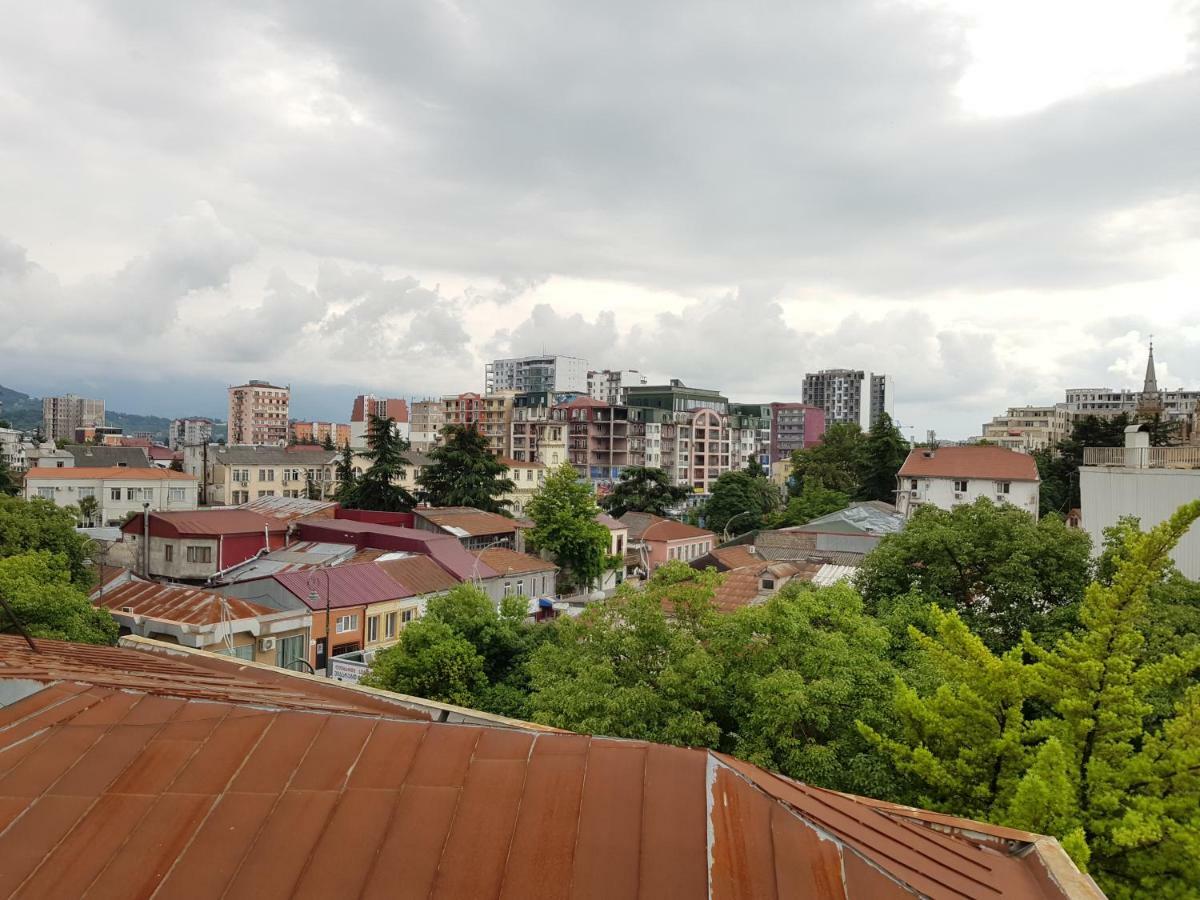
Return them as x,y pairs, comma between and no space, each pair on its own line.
1137,446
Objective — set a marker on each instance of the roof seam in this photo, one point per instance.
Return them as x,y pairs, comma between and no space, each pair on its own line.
517,817
437,874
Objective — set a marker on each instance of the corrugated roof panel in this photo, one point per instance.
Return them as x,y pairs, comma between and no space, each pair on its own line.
348,585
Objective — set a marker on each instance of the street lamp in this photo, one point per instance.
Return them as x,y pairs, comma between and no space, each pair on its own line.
475,568
725,537
314,598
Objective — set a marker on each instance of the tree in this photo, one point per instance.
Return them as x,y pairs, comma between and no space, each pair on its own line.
312,490
39,587
742,496
176,465
643,489
812,502
347,481
836,463
1003,570
27,526
1059,468
9,484
884,452
376,488
564,514
327,444
1071,743
88,508
464,472
430,661
624,668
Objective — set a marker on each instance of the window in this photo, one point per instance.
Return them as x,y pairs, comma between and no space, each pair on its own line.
168,553
199,554
389,625
114,493
87,492
912,484
960,487
133,493
246,651
372,628
1004,487
46,493
508,589
521,588
148,494
176,494
529,474
266,493
406,615
288,650
346,623
620,544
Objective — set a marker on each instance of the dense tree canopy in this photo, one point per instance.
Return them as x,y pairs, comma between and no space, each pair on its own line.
48,603
377,488
643,489
837,463
884,452
1003,571
465,473
812,502
564,514
10,486
741,499
28,526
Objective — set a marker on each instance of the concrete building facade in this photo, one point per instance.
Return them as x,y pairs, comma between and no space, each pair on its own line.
794,426
319,432
1029,428
849,395
612,385
61,416
190,432
367,405
258,414
241,474
117,491
427,421
537,374
949,476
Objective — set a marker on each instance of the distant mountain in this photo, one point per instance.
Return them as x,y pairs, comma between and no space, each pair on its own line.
25,412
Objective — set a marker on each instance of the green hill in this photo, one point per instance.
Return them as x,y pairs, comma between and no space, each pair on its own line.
25,412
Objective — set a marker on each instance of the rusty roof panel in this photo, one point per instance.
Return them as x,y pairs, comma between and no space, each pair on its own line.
743,855
610,822
411,848
674,850
820,874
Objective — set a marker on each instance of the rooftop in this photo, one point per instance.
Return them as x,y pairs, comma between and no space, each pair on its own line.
343,586
466,521
418,574
648,527
998,463
288,508
180,604
272,456
505,561
207,522
101,456
132,774
872,517
98,473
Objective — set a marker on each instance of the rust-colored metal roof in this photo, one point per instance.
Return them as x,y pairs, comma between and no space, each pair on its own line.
998,463
473,522
211,522
178,603
725,558
649,527
504,561
138,792
418,574
345,585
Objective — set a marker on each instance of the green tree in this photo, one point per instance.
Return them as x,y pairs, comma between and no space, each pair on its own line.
743,496
376,488
176,465
1004,571
1071,744
28,526
884,452
347,481
39,587
465,473
837,463
812,502
643,489
88,508
327,444
564,514
430,661
624,668
10,484
312,490
799,670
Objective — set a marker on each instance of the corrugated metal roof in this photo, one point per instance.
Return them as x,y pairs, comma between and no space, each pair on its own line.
272,456
288,508
419,574
133,788
648,527
831,574
861,518
178,603
466,521
446,550
349,585
504,560
208,522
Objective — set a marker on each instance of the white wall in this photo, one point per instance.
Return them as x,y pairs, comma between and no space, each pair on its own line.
1153,495
940,492
67,493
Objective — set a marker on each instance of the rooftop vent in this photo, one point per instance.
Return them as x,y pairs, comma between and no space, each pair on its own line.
127,609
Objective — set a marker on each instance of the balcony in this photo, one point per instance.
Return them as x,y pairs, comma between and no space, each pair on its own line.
1143,457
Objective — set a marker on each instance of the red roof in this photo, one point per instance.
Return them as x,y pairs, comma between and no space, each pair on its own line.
209,522
126,473
177,603
656,528
418,574
506,561
348,585
580,402
997,463
473,522
120,778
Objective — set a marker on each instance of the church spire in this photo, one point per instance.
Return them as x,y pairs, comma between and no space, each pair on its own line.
1151,385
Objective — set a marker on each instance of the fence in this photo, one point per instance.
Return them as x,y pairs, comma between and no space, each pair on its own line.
1143,457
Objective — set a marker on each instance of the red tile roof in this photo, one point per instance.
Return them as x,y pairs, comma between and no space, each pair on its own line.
345,585
647,527
418,574
998,463
725,558
134,789
127,473
178,603
504,561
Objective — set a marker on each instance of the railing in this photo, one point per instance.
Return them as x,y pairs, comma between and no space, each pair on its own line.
1143,457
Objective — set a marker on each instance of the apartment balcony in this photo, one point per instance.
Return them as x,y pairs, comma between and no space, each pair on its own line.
1143,457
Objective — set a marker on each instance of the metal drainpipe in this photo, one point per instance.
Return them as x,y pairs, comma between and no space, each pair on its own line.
146,539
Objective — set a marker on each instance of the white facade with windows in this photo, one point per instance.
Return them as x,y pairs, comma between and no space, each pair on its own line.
537,374
950,492
117,491
946,477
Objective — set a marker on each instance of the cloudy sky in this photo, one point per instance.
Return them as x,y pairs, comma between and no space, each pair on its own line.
989,201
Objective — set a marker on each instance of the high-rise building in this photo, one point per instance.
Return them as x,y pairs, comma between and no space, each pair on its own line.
849,395
367,405
611,385
794,426
319,432
527,374
190,432
258,414
491,414
428,419
62,415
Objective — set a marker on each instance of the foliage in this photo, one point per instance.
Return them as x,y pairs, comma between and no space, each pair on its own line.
10,484
884,452
464,472
1069,743
742,495
88,508
564,514
1004,571
39,587
377,489
28,526
812,502
643,489
347,481
837,463
430,661
312,490
327,444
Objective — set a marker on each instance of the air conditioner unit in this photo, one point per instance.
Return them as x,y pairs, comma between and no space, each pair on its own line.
244,483
958,495
267,644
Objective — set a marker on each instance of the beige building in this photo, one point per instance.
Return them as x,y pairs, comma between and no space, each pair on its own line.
1029,428
258,413
241,474
428,417
118,491
491,413
62,415
528,478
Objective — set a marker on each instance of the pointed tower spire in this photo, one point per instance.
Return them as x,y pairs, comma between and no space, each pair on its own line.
1151,384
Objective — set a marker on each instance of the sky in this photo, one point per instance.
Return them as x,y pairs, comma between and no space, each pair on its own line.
991,202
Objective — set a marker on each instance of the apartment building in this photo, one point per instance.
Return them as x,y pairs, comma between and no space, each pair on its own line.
1028,428
62,415
537,436
190,432
240,474
340,435
537,374
12,448
528,478
794,426
612,385
258,414
655,541
118,491
676,397
427,421
367,405
949,476
849,395
490,413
